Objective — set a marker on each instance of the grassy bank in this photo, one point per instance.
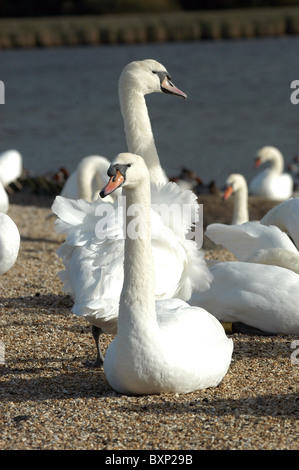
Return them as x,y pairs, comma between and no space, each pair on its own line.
176,26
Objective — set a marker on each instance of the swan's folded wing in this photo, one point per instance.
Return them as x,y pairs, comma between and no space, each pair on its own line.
261,296
247,239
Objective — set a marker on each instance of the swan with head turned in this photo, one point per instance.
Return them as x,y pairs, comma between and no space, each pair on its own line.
161,346
271,183
94,248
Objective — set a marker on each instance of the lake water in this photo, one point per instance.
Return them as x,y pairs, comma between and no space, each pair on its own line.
61,104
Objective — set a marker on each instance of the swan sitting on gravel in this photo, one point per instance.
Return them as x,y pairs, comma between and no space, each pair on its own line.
161,346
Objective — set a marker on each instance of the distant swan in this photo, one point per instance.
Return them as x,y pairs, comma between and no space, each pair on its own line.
271,183
93,258
9,243
164,346
236,185
87,180
11,166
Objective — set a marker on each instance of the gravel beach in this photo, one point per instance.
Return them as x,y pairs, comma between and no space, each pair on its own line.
51,400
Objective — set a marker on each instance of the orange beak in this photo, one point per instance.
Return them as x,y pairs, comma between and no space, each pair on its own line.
227,192
257,162
114,183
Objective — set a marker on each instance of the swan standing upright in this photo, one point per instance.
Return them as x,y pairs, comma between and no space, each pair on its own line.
93,258
271,183
164,346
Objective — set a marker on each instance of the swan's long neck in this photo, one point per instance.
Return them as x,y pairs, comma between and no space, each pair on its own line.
138,129
277,163
137,301
240,206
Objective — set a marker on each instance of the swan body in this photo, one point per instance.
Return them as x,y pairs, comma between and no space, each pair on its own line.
236,185
9,243
273,240
263,297
11,166
161,346
272,183
285,216
93,252
245,240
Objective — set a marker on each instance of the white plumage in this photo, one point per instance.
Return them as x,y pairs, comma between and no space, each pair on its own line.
261,296
11,166
9,243
271,183
160,346
93,258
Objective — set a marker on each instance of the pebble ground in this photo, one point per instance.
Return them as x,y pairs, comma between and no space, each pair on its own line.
51,400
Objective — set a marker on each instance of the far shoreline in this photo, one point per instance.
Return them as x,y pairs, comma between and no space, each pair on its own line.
148,27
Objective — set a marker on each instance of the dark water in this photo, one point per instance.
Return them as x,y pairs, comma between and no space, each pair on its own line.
62,104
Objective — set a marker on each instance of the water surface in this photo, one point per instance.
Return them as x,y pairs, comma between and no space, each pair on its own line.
62,104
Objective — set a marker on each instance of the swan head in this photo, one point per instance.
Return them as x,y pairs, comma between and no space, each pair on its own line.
266,154
127,170
234,183
148,76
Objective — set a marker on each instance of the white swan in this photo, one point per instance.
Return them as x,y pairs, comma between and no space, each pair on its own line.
256,243
259,296
94,248
9,243
271,183
236,185
164,346
87,180
11,166
285,216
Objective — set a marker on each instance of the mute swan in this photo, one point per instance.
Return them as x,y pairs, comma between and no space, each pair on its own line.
285,216
161,346
236,185
260,296
89,177
256,243
93,257
271,183
11,166
9,243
